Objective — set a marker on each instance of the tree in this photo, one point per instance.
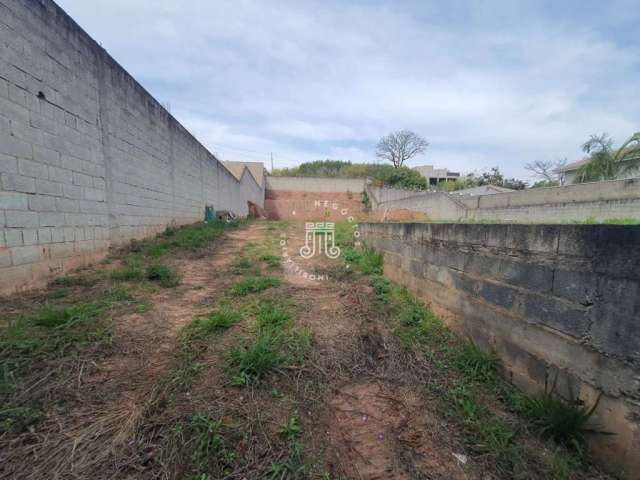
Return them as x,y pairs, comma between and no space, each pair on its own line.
605,163
400,146
548,171
492,177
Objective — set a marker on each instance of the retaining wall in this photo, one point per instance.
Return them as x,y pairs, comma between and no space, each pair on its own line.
599,201
554,301
87,156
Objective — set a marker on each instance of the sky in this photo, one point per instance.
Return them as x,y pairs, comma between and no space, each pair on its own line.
487,83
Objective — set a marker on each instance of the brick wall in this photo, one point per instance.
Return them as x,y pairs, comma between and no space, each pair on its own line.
554,301
87,157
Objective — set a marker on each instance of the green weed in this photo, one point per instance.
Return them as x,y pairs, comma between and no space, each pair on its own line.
253,361
272,261
19,419
207,444
163,274
132,271
476,364
291,429
564,421
216,322
272,318
254,285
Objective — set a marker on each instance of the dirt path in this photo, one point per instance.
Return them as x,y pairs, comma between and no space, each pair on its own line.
372,425
351,403
89,438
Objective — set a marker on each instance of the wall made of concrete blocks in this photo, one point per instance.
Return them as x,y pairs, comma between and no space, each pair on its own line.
316,184
554,301
87,157
570,203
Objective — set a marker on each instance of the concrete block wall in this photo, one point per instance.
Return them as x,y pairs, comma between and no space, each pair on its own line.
599,201
316,184
88,158
554,301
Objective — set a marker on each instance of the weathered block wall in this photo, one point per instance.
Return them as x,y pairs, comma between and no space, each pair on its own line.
552,300
600,201
87,156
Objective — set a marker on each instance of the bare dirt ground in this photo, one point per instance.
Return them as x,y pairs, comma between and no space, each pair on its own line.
372,425
109,398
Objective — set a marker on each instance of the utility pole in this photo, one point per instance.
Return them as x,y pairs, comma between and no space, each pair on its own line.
272,162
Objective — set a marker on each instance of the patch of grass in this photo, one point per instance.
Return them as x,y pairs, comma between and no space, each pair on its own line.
19,419
208,445
218,321
564,421
272,261
166,276
254,285
252,361
382,288
193,341
53,317
476,364
70,281
272,318
291,429
368,261
132,271
52,331
244,266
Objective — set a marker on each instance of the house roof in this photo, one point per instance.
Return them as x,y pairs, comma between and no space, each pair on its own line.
570,167
255,168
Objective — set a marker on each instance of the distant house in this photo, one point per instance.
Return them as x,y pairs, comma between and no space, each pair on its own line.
255,168
436,175
569,173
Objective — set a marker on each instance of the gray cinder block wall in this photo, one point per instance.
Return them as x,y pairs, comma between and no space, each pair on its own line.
88,158
554,301
599,201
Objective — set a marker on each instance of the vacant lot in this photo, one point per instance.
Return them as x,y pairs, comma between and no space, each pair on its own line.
206,353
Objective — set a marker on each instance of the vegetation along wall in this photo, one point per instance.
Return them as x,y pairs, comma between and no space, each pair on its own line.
558,303
87,157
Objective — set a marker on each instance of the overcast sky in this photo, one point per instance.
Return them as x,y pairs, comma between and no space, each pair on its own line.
486,83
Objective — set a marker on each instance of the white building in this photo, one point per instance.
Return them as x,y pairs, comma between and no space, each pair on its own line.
436,175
